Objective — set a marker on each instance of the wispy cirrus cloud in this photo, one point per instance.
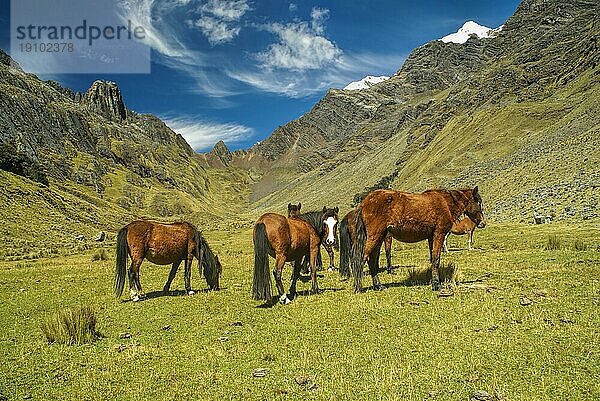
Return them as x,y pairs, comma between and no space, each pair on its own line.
202,134
163,32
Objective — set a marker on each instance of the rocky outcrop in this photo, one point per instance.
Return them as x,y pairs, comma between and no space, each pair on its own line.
219,156
104,98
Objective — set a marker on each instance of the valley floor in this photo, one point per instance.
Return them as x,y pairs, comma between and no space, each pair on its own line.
404,343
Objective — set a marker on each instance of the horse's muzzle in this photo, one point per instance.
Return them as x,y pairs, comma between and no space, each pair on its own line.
481,224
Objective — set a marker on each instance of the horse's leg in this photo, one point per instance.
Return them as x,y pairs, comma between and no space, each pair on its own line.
329,250
470,239
135,288
171,276
188,274
435,248
388,253
319,260
295,274
314,255
277,272
304,264
374,267
446,242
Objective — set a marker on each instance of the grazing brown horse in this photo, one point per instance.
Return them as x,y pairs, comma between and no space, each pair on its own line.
163,244
347,238
409,217
289,240
462,227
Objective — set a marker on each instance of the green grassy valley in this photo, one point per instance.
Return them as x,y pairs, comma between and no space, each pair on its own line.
402,343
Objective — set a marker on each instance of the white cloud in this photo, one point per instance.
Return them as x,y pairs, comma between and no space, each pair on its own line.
203,135
318,17
217,32
293,7
301,45
219,20
229,10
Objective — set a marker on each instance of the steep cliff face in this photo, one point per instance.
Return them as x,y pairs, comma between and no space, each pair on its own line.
104,98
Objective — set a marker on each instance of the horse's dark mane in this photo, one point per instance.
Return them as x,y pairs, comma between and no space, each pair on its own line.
315,220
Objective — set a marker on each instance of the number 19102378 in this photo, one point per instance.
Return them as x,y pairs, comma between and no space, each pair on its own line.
49,47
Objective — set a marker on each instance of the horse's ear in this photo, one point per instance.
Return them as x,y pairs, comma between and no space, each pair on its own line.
324,209
336,210
289,206
299,206
475,191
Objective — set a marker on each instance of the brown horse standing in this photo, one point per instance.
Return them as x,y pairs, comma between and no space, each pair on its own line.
409,217
163,244
347,238
462,227
294,211
288,239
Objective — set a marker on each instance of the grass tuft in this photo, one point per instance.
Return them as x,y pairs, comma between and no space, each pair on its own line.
72,326
579,245
554,243
100,254
449,274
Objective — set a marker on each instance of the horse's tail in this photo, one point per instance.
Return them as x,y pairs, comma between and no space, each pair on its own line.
121,265
345,247
261,287
358,250
199,253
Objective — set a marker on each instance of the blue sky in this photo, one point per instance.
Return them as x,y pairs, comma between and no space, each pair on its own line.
237,69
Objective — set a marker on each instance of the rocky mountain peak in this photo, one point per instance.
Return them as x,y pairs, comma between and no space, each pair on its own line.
221,152
104,97
5,59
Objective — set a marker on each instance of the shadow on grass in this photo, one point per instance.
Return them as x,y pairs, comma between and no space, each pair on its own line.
172,293
275,300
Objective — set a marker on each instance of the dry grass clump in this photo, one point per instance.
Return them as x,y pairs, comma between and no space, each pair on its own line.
554,243
419,275
579,245
100,254
72,326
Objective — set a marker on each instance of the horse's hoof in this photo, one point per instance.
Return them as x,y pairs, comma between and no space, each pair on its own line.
390,271
191,292
135,298
435,286
331,269
379,287
284,300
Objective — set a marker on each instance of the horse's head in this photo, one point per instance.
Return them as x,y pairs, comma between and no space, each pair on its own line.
294,210
219,269
474,209
209,262
329,222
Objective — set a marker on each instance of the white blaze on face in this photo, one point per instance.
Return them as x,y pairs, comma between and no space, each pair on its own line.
330,221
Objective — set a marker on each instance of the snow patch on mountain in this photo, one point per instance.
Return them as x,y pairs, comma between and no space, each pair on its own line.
365,83
471,28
